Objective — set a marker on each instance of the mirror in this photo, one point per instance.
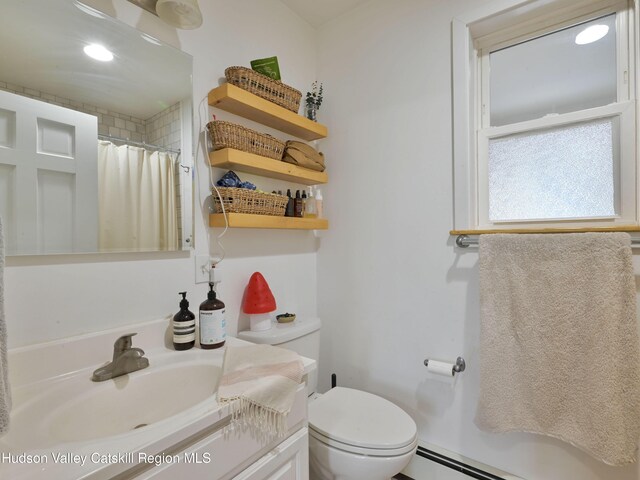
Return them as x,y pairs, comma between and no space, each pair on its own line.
95,133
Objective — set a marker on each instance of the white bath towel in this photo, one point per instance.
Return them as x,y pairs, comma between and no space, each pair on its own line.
261,381
559,349
5,391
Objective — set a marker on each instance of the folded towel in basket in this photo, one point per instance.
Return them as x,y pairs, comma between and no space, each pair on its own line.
303,155
260,383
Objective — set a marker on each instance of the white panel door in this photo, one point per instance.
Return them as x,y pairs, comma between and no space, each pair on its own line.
48,177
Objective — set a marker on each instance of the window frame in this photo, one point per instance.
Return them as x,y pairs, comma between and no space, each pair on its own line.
474,38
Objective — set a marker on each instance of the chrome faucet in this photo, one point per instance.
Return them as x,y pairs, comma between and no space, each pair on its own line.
126,359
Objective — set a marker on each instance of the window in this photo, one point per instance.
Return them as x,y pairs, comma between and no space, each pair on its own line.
547,137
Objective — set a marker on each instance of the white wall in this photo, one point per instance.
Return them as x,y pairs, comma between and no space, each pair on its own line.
54,297
392,289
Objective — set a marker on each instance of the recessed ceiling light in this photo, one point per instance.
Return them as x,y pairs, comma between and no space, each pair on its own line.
592,34
98,52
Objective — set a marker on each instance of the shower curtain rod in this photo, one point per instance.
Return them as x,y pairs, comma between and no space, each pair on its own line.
138,144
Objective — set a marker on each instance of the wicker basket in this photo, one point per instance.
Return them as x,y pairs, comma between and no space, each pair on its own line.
232,135
265,87
243,200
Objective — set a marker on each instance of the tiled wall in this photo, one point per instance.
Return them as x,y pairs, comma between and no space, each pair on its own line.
120,125
109,123
162,129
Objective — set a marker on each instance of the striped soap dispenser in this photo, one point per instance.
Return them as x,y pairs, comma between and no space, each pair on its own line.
184,326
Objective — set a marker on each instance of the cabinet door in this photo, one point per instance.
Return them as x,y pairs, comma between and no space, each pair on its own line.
288,461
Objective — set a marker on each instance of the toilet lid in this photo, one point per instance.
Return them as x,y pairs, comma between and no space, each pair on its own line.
361,419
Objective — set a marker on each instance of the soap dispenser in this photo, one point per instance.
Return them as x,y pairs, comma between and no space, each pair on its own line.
290,210
184,326
212,322
297,205
304,203
319,203
310,208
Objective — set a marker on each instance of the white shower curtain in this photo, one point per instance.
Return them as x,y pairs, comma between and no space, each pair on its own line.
137,199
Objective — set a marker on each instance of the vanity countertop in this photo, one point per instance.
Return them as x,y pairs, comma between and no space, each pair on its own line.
51,380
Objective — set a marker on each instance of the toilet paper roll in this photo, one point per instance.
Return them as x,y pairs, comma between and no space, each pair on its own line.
440,368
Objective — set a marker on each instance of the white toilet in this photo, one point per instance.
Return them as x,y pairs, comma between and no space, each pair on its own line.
353,435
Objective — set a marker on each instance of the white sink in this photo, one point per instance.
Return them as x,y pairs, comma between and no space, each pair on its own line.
58,409
76,409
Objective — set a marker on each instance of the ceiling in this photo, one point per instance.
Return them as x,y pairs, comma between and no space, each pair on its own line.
317,12
41,48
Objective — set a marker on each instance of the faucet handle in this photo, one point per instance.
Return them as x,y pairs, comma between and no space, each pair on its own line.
125,340
123,343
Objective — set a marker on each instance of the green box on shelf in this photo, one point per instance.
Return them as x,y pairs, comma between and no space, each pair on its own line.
267,66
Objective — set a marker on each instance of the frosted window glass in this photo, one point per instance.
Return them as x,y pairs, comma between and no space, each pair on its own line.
552,74
565,172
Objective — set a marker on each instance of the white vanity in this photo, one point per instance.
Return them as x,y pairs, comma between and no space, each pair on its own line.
162,422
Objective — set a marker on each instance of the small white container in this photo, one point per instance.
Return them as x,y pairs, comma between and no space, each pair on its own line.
260,321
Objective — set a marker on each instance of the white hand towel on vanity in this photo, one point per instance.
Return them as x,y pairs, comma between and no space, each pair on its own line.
262,381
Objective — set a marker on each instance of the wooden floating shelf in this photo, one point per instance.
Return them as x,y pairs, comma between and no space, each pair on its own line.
618,228
267,167
245,220
235,100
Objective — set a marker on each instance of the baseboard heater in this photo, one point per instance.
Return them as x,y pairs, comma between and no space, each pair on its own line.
430,459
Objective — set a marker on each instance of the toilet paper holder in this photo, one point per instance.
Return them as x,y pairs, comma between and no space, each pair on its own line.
457,367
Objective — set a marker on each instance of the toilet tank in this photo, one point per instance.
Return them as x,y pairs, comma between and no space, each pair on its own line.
302,336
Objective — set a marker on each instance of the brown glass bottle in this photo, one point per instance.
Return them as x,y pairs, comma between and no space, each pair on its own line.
184,326
212,322
289,211
297,205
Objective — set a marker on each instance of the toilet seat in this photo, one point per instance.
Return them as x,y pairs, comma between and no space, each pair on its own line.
372,452
359,422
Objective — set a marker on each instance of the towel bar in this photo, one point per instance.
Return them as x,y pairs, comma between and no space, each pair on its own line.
465,241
